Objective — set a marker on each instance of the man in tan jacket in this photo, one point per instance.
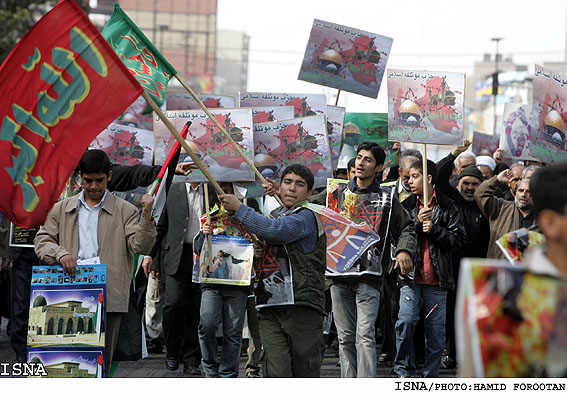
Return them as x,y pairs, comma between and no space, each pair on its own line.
95,223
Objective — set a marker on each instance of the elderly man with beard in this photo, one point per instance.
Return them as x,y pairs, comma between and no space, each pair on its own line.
504,216
476,227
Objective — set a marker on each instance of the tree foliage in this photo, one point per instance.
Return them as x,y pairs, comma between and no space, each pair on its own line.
18,16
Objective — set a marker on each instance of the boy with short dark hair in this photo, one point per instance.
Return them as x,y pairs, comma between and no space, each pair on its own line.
290,292
440,230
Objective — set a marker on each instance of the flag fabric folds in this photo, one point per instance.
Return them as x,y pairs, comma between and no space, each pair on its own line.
346,240
60,86
139,55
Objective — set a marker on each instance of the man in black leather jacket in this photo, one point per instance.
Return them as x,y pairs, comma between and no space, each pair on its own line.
476,225
440,231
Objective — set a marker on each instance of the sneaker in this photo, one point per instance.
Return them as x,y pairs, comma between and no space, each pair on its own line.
252,374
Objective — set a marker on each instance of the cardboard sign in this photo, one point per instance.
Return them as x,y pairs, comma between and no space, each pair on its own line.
425,106
345,58
484,144
217,154
296,141
549,116
21,237
360,127
303,104
272,114
335,123
126,145
184,101
515,135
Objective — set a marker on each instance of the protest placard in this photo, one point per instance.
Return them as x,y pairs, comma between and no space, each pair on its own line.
515,134
21,237
547,137
272,114
425,106
345,58
184,101
296,141
335,123
230,263
360,127
510,322
126,145
217,154
304,104
484,144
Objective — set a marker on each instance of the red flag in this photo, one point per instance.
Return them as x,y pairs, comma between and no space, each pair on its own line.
59,87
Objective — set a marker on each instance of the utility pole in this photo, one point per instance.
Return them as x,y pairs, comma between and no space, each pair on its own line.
495,80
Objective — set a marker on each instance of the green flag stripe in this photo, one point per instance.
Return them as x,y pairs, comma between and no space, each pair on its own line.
119,16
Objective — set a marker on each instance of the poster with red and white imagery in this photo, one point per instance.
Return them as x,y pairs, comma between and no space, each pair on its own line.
296,141
217,154
272,114
549,116
345,58
126,145
335,124
184,101
304,104
425,106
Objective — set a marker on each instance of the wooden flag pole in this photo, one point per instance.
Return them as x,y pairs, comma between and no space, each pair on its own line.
178,137
209,237
425,185
337,100
226,134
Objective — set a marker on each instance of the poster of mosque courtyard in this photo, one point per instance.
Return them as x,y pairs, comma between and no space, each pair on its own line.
66,316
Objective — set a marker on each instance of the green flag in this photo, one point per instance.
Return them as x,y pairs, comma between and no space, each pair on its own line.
139,55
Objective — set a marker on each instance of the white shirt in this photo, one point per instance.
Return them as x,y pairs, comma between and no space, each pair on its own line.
195,202
88,227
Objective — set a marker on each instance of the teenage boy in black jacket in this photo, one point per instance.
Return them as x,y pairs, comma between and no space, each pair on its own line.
440,230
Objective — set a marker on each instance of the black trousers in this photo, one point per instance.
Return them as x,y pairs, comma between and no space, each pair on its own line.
181,312
20,298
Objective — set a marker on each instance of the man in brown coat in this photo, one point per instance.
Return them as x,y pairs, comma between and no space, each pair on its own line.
504,216
96,223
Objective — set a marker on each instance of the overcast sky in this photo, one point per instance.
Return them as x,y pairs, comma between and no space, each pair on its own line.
434,35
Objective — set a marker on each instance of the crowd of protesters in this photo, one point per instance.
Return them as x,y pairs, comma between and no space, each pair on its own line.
403,287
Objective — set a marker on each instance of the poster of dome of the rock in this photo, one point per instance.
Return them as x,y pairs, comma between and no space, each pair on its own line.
425,106
345,58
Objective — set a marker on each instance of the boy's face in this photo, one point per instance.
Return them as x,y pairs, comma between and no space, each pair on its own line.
94,184
416,181
293,189
365,164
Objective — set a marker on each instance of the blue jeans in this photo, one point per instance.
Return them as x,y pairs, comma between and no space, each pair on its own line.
434,300
355,309
229,305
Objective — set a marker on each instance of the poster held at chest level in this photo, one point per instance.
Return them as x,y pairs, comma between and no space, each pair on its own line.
425,106
345,58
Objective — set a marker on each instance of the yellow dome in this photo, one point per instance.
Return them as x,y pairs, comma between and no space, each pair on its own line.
409,107
553,119
332,56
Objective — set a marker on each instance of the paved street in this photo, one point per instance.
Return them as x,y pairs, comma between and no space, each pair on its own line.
154,366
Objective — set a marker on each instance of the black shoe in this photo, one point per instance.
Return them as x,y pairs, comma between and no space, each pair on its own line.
252,374
448,363
172,363
385,358
192,370
155,346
